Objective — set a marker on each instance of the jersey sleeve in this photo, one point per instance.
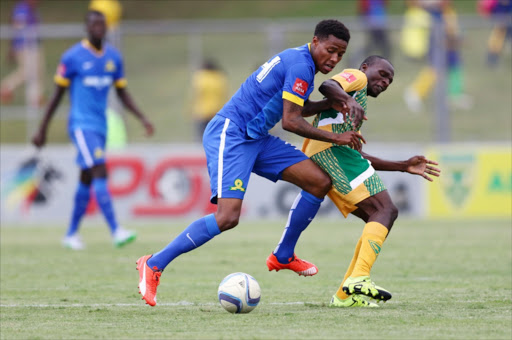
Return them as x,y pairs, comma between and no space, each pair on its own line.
119,79
351,80
298,80
65,71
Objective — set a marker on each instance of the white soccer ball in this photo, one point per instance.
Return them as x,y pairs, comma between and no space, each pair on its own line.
239,293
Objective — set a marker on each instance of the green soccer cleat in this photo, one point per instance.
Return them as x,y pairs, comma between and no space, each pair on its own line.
363,285
351,301
122,237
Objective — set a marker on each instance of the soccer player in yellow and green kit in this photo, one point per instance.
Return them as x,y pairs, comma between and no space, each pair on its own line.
356,187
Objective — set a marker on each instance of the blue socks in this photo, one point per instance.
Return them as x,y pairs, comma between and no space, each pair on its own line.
82,196
100,188
301,214
195,235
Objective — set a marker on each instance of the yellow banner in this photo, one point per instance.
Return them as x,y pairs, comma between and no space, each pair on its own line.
474,182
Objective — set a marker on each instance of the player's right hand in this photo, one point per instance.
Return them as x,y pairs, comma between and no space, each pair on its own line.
352,139
39,139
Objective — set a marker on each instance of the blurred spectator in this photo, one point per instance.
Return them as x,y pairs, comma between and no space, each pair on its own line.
415,34
440,11
501,11
25,51
209,94
375,17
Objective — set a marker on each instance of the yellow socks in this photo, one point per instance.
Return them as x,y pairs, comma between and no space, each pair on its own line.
372,239
340,293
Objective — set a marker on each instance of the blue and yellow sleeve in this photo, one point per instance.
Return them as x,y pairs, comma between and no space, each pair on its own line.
62,76
119,79
298,84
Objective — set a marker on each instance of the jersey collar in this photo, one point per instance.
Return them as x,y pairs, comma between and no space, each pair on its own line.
98,53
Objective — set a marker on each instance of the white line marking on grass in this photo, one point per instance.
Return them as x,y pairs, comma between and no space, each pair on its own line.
96,305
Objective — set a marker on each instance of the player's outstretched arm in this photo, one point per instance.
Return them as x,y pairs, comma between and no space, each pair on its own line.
294,122
39,139
128,102
420,165
417,165
342,101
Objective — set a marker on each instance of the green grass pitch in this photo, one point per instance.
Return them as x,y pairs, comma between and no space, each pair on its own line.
450,280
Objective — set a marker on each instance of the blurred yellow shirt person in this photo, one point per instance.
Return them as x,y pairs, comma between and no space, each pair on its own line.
209,87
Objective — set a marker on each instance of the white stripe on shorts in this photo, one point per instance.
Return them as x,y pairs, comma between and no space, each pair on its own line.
221,158
362,177
82,148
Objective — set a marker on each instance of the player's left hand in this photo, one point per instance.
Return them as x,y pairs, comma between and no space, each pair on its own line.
149,127
419,165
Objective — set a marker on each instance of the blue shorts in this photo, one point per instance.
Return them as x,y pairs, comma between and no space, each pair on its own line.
90,146
232,156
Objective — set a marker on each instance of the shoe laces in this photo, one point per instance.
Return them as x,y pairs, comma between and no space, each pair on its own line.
156,273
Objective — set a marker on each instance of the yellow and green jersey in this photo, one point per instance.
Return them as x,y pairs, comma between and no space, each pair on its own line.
354,82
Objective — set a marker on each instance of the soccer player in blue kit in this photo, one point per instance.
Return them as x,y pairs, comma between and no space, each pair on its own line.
89,68
237,142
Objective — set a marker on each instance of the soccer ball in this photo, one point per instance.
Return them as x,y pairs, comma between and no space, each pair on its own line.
239,293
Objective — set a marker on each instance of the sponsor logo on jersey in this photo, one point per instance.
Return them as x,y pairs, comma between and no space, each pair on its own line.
97,82
349,77
300,87
87,65
110,66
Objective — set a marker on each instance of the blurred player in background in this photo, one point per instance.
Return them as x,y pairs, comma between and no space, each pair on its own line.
89,68
357,189
25,50
501,11
116,127
237,142
374,13
209,93
417,92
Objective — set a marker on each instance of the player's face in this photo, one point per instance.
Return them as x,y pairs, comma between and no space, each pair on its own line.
380,75
327,52
96,27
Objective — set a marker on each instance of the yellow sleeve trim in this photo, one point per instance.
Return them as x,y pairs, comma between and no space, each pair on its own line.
121,83
60,80
293,98
358,82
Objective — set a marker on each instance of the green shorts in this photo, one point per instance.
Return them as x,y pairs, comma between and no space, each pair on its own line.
353,177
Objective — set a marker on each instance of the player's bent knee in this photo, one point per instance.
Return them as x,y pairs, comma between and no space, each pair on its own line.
227,221
324,185
393,212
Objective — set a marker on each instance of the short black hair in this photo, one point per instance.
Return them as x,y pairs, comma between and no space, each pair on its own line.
91,13
372,59
331,26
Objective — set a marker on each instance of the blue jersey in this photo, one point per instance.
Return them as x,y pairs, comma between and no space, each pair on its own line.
89,73
258,105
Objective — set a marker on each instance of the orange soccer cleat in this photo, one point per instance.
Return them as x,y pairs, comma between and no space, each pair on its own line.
299,266
149,279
